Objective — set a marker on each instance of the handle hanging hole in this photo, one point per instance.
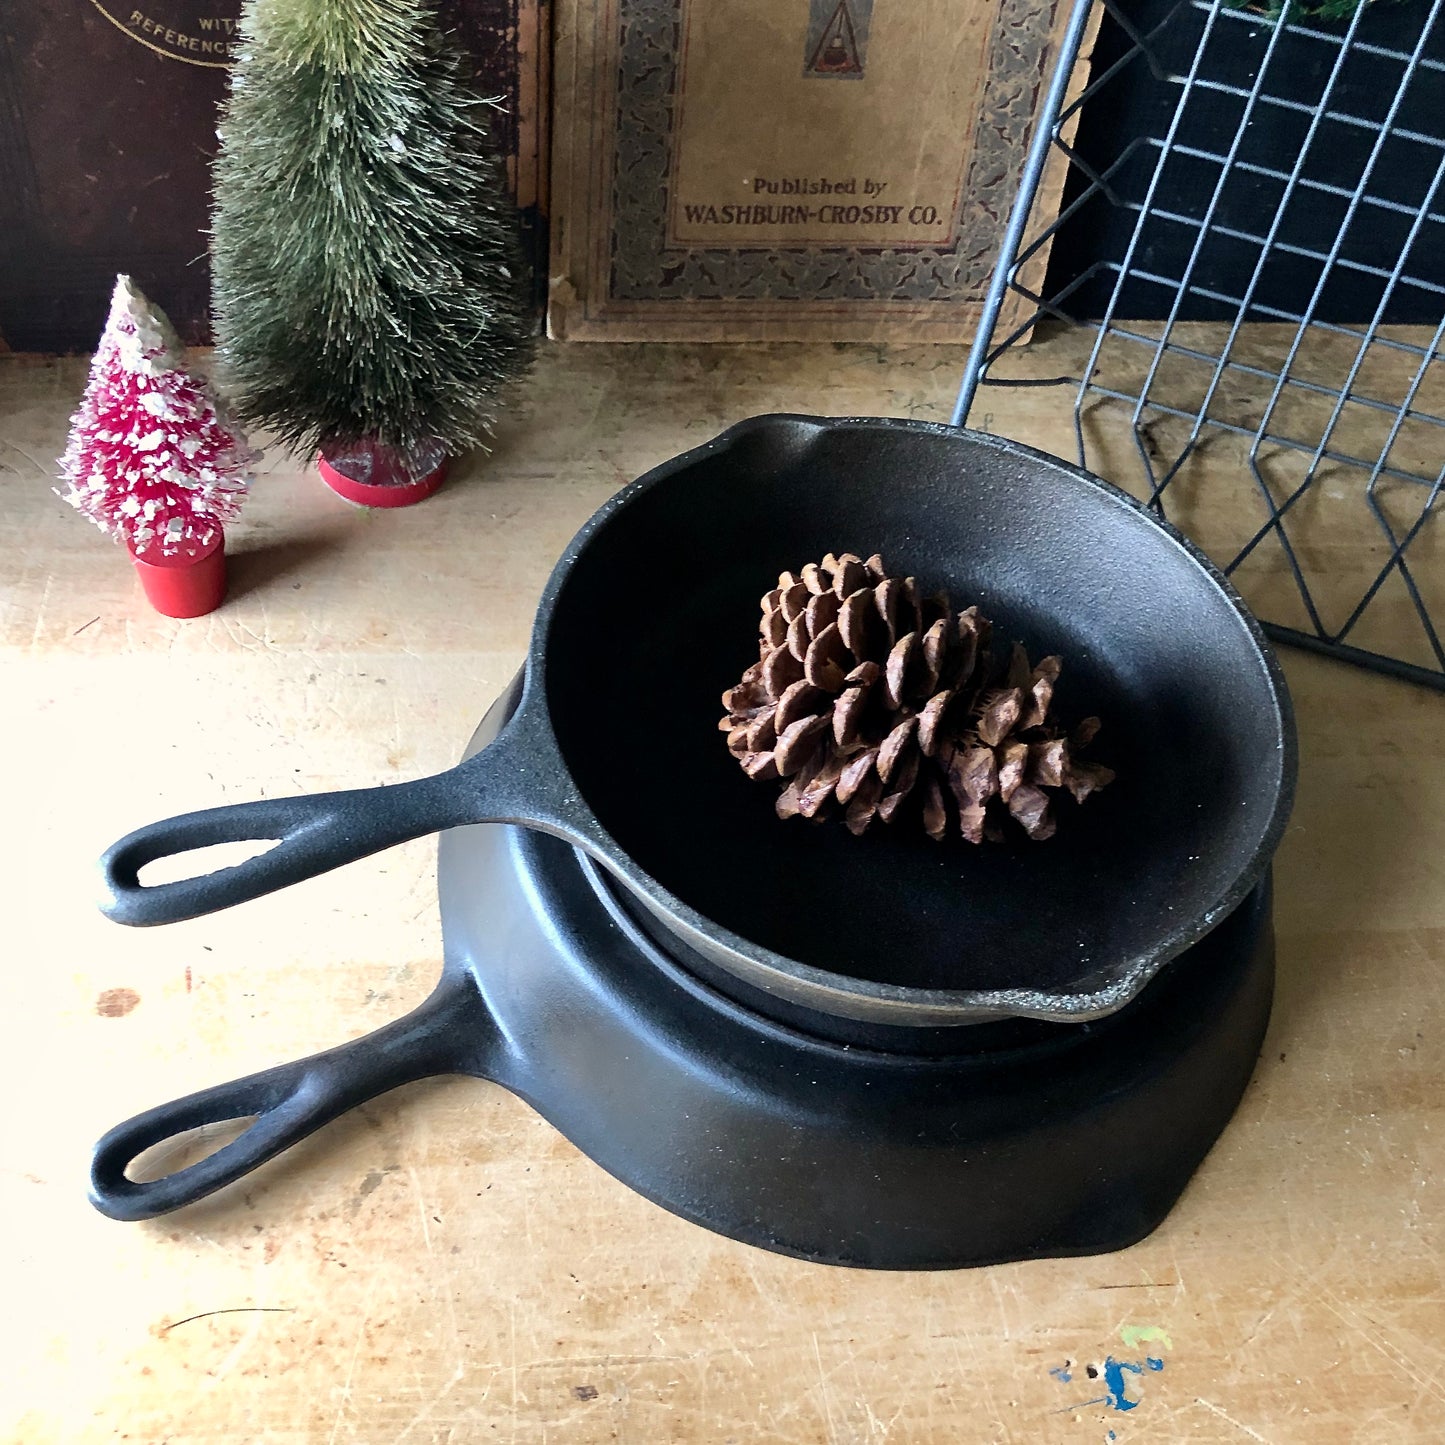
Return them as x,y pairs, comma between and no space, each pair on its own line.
197,862
182,1150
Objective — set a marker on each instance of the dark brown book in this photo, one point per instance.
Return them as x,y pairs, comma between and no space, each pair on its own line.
108,128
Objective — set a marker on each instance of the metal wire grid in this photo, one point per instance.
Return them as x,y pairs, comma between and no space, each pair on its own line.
1358,434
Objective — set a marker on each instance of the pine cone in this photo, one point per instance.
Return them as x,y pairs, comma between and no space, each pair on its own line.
867,698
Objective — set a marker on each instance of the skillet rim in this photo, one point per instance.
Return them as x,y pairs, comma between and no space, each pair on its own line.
865,999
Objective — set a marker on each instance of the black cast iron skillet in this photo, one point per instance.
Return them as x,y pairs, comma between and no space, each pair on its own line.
651,613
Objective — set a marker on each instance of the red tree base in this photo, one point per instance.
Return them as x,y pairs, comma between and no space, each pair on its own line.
189,584
371,475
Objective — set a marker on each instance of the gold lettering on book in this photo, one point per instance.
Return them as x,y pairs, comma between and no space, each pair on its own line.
173,30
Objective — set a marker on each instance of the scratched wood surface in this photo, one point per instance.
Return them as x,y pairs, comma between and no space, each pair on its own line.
440,1266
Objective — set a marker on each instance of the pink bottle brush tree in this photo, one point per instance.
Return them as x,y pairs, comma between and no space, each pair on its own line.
153,460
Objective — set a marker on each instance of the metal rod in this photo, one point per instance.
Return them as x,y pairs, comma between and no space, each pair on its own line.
1225,299
1033,171
1195,252
1313,388
1385,130
1397,563
1305,183
1112,308
1234,429
1300,107
1276,222
1343,262
1343,652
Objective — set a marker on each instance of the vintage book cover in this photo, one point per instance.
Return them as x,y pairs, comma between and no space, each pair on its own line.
789,169
108,127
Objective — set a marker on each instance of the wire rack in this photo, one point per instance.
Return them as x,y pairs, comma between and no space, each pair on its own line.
1250,266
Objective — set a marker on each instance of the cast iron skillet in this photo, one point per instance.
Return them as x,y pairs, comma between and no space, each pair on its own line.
651,613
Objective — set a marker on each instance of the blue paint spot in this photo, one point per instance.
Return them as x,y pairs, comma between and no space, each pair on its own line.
1116,1385
1113,1372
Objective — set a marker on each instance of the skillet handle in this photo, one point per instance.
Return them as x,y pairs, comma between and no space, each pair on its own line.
448,1034
314,834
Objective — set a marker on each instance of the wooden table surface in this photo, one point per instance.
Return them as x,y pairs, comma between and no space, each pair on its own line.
440,1265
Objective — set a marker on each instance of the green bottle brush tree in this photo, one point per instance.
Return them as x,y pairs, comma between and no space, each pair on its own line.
368,280
1302,12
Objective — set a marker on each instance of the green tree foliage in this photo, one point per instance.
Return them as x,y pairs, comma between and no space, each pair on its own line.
1301,11
368,276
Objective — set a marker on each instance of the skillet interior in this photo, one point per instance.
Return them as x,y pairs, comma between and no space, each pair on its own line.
658,615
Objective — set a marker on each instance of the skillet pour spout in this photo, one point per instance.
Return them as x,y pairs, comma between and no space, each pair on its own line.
650,614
